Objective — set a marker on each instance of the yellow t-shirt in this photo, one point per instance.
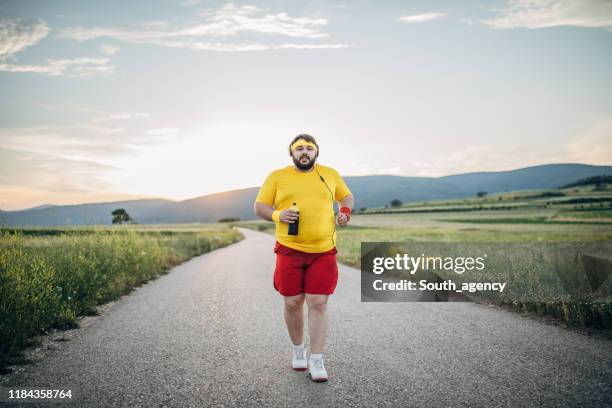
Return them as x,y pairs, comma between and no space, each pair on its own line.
286,186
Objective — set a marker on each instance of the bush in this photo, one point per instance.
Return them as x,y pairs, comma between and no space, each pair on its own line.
229,219
47,282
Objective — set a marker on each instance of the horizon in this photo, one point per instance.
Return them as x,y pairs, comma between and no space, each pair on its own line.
112,101
251,187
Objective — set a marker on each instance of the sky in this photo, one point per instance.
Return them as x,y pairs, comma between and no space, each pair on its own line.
110,100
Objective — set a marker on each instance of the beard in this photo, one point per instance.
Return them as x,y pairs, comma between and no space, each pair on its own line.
304,166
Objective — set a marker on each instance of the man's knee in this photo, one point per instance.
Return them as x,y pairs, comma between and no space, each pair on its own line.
294,303
317,302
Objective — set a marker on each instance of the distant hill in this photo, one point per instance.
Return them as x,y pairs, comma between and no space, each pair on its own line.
369,191
42,207
212,207
373,191
80,214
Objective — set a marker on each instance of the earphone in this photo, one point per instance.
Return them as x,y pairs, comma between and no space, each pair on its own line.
326,186
332,196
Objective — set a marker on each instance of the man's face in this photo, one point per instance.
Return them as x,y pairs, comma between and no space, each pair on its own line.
304,157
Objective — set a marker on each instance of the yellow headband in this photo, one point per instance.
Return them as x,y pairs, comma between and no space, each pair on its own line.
302,142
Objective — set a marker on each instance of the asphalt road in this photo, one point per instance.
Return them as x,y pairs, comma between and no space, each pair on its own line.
211,333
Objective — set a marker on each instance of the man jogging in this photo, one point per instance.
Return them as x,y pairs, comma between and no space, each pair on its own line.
303,195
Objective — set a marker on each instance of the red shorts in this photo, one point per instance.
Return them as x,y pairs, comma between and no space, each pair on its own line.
302,272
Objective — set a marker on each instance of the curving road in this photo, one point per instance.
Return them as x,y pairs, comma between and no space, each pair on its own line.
211,333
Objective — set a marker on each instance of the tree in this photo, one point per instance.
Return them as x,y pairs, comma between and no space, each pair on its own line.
396,203
120,216
481,194
229,219
604,178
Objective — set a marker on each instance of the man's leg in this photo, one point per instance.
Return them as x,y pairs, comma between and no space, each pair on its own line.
294,317
317,322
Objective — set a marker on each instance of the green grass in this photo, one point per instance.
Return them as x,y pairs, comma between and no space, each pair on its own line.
488,227
536,220
574,214
572,197
49,279
585,213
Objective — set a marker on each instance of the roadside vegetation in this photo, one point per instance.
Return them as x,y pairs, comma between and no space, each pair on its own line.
581,213
49,277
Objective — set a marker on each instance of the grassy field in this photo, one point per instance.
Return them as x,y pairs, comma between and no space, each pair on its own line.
587,197
51,276
535,217
424,227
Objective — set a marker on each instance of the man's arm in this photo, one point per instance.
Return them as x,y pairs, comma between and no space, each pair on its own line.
265,211
347,201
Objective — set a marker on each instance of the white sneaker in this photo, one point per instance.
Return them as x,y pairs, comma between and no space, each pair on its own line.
299,362
317,370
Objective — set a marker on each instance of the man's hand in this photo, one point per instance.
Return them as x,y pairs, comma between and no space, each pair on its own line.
342,220
344,215
289,216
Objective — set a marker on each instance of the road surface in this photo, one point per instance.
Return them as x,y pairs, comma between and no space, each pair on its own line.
211,333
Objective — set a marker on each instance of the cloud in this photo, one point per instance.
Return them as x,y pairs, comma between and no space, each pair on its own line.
162,131
161,134
591,146
310,46
232,20
70,163
70,16
421,18
230,47
17,35
78,140
72,107
397,170
49,172
226,22
153,24
108,49
102,115
77,67
553,13
94,139
107,117
28,179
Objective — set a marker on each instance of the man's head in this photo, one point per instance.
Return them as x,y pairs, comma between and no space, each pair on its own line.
304,151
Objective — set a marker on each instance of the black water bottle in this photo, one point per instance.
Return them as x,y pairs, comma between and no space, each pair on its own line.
293,228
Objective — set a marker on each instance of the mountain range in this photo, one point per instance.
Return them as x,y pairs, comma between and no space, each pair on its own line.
369,191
